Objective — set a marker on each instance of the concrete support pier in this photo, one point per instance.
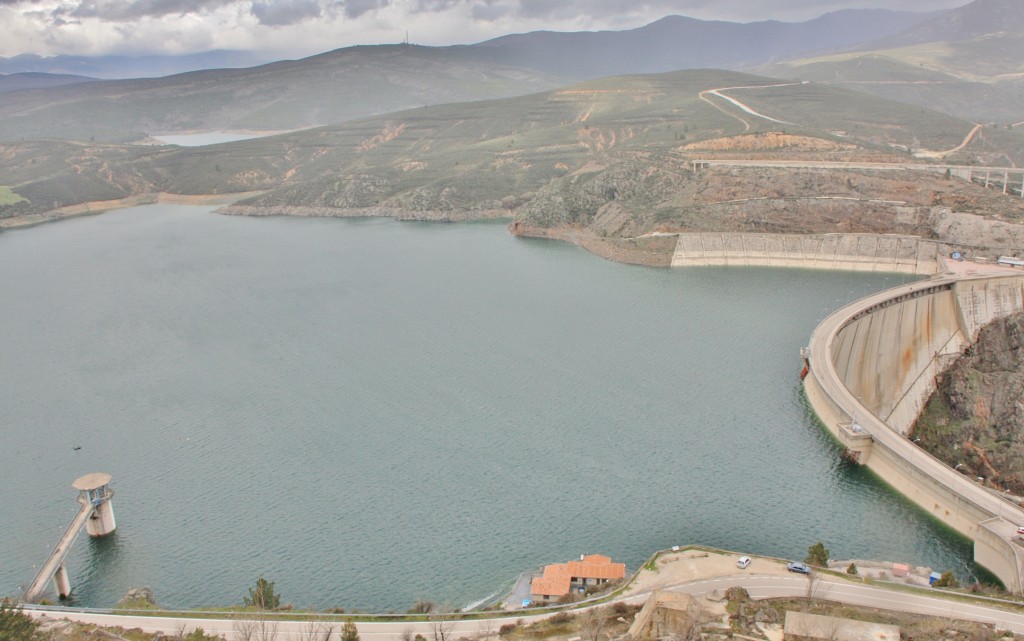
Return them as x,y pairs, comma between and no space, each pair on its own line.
96,515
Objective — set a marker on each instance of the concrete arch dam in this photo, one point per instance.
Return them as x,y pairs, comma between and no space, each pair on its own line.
872,366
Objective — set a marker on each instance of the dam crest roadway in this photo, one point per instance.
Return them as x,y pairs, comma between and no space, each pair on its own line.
872,366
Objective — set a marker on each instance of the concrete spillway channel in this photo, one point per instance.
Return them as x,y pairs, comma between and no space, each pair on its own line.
872,366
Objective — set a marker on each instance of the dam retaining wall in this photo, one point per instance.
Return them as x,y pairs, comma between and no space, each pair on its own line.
856,252
873,365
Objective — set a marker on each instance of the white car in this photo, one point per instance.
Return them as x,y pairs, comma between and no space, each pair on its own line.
743,563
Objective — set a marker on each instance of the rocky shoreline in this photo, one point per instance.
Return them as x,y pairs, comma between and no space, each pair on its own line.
965,232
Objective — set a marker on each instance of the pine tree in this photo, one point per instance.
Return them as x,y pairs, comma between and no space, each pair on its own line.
263,597
349,632
817,555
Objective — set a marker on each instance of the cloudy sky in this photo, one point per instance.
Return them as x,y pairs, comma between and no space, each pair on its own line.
301,27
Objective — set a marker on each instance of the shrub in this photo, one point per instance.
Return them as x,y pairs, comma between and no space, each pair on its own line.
947,580
852,569
422,607
507,629
199,635
817,555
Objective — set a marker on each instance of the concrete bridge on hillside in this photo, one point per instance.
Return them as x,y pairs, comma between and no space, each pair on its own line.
872,366
1010,180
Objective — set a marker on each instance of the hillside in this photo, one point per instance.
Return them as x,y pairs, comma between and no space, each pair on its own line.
965,62
123,66
357,82
332,87
975,421
895,79
19,81
678,42
603,159
973,20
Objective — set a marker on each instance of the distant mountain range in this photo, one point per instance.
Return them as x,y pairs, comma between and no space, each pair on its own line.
113,67
363,81
965,62
677,42
973,73
30,80
979,18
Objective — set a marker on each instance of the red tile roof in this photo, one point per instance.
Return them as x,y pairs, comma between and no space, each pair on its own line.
557,577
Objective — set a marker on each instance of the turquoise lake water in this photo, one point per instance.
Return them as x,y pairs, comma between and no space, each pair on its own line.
369,412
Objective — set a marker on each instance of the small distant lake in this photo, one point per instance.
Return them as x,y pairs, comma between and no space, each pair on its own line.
207,138
369,412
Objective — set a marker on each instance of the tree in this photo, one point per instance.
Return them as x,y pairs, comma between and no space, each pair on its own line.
947,580
317,631
592,623
852,569
263,597
15,625
817,555
349,632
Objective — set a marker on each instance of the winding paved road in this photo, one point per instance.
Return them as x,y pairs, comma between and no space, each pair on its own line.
1002,616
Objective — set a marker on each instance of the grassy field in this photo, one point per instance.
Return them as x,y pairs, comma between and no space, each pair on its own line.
8,197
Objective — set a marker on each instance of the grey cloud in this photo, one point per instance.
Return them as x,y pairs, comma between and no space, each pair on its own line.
356,8
127,10
430,6
488,11
736,10
275,13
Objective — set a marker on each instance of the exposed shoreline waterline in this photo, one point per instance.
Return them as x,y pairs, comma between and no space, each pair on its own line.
94,208
369,413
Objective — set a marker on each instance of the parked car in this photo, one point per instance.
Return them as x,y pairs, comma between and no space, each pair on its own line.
743,562
801,568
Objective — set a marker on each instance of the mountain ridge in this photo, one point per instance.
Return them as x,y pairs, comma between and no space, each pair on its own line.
357,82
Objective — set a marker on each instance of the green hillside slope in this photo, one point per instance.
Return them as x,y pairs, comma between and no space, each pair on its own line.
608,158
331,87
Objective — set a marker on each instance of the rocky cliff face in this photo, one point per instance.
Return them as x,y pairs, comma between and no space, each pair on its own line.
975,420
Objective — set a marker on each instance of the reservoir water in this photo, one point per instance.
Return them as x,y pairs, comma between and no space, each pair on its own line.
369,412
208,138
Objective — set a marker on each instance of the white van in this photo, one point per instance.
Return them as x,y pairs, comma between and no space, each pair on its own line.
743,562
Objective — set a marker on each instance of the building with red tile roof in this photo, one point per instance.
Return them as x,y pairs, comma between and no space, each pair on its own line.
559,579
